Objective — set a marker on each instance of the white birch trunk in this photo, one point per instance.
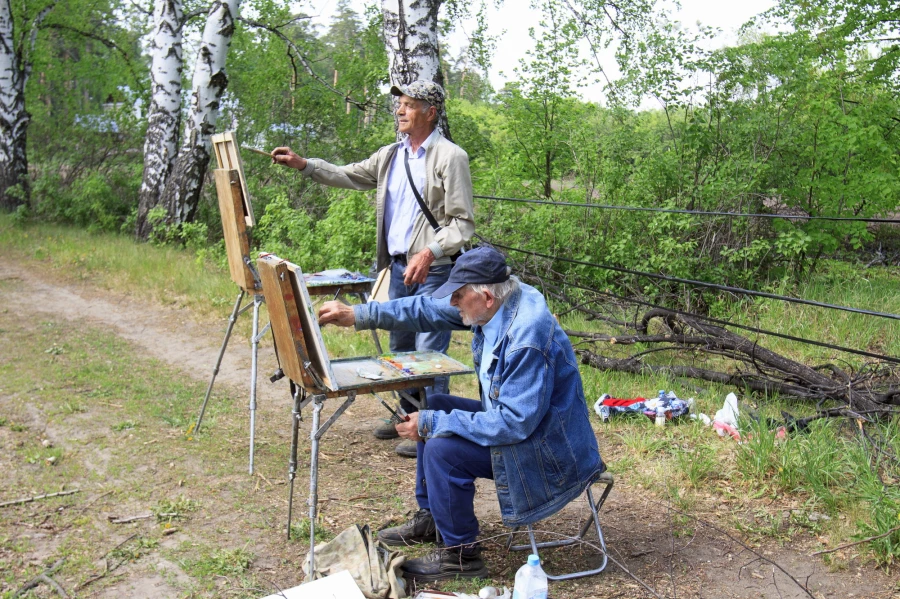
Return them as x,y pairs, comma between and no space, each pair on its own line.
15,67
411,36
182,192
161,142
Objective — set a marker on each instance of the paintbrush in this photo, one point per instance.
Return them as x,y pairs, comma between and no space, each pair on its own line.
398,415
257,151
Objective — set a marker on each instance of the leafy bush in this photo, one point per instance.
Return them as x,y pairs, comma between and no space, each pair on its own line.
97,201
345,238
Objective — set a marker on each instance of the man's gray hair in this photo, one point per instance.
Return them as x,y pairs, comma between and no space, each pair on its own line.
500,291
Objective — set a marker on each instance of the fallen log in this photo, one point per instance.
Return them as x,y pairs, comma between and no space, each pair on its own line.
755,367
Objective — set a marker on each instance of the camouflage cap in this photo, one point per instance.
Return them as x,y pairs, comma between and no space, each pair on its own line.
428,91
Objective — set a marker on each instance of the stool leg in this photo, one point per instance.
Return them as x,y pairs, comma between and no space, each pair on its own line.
594,518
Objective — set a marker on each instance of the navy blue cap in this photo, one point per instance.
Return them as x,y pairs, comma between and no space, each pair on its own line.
482,265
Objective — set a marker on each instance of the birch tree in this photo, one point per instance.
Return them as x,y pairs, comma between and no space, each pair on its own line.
411,38
182,191
161,142
15,68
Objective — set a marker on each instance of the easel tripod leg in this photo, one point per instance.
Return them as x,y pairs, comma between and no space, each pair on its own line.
231,321
314,479
292,467
257,300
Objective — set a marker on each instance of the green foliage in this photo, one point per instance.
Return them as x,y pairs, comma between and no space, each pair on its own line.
344,238
287,232
95,200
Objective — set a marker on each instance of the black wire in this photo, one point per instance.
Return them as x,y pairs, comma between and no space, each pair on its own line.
745,327
695,212
737,290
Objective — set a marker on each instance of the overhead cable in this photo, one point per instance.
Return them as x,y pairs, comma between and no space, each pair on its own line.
744,327
694,212
728,288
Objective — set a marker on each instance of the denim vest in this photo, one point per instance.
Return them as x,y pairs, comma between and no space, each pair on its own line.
535,419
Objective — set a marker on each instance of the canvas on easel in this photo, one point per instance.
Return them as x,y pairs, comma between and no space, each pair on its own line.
228,157
237,220
381,286
295,325
234,229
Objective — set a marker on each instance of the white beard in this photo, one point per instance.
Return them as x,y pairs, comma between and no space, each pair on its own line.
476,320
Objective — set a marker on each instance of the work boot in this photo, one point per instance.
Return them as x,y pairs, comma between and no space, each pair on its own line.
385,431
407,448
420,529
442,564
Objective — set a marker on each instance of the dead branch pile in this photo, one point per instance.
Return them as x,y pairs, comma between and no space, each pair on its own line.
866,391
713,353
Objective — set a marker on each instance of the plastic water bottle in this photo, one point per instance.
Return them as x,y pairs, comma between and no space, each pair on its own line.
531,582
660,409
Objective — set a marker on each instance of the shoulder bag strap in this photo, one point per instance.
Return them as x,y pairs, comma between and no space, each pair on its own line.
428,215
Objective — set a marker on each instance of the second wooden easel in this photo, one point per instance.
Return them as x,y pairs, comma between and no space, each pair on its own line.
237,220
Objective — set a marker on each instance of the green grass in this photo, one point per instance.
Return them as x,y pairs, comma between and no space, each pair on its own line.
220,562
300,532
169,509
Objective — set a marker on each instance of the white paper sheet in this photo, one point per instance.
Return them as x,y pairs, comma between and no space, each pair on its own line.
336,586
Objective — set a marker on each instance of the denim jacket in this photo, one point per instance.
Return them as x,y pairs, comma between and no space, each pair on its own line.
535,417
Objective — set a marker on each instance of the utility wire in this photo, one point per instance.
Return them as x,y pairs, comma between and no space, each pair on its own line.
744,327
737,290
695,212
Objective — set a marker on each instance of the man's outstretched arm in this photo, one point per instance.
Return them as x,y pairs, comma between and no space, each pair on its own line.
336,313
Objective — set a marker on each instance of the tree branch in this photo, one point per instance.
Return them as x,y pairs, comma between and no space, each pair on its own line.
362,105
866,540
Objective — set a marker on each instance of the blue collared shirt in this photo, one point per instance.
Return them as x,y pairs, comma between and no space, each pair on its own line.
401,207
491,332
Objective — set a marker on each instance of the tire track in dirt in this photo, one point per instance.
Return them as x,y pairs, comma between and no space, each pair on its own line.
170,335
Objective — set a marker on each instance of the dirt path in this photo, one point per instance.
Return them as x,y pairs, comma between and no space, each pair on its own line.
639,531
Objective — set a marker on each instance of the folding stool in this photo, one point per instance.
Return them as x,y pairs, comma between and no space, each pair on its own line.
605,479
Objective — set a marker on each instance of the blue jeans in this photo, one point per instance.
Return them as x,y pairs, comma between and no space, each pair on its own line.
446,470
403,341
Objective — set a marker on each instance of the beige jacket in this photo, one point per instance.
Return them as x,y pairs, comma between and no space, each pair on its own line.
448,194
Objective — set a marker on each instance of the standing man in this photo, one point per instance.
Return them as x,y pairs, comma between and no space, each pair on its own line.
423,207
529,431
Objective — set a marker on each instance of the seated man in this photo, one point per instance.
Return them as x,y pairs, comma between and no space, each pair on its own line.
529,432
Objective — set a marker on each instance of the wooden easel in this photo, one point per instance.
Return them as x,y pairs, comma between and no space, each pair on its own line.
316,378
237,219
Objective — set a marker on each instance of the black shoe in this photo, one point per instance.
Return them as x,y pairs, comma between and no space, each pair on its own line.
407,449
385,431
442,564
420,529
